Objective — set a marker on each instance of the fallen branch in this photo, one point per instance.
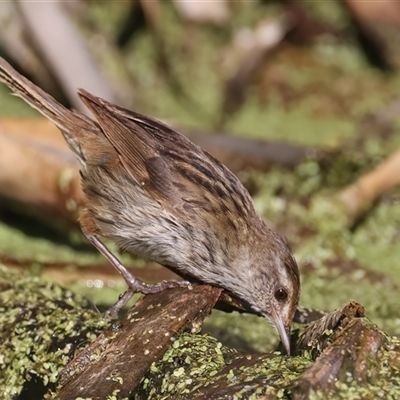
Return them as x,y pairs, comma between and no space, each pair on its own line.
119,358
347,350
38,171
360,195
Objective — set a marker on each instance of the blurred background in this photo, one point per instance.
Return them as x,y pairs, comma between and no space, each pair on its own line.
300,99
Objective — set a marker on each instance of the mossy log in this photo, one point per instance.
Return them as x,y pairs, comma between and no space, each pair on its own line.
119,358
352,358
52,345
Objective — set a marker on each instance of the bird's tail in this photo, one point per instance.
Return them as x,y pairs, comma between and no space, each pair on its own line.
72,124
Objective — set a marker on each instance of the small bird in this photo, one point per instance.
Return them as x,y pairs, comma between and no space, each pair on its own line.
159,196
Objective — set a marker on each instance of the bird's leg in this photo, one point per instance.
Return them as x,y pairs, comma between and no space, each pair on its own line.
134,284
116,308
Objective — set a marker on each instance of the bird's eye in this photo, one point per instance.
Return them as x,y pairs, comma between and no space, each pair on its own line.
281,294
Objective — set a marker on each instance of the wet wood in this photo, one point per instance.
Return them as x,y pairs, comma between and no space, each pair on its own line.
119,358
64,273
317,334
38,173
343,345
361,195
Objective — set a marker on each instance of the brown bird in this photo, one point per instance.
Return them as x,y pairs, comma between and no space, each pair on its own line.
161,197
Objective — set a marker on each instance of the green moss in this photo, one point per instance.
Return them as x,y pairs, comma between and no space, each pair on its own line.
42,327
20,246
195,362
331,12
298,126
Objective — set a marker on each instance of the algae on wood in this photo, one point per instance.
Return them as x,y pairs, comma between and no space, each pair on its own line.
42,327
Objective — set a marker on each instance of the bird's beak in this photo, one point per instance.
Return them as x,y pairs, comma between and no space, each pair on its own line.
284,331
